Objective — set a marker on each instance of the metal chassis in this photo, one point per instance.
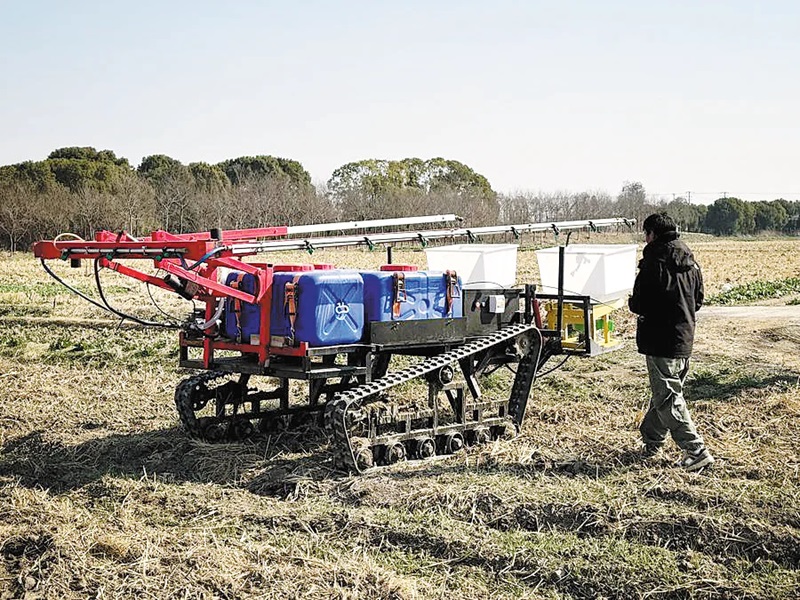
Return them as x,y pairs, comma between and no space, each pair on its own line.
327,376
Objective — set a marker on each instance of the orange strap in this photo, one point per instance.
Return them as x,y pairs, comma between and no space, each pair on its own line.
237,306
398,292
451,290
290,301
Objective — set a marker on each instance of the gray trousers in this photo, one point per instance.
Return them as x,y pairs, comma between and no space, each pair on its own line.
668,412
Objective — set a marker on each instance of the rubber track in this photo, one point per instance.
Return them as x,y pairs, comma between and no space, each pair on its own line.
337,410
183,400
523,380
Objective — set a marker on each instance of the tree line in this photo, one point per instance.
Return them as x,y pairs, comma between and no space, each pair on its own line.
82,190
726,216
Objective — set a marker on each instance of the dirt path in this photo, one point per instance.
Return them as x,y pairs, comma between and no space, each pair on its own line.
784,313
751,335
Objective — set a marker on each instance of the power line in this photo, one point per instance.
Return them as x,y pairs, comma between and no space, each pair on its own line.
725,194
741,192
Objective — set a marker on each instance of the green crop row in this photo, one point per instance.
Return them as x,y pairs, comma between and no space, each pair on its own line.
756,290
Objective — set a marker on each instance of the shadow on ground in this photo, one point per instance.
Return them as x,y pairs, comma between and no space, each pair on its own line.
277,466
725,385
292,464
274,465
39,461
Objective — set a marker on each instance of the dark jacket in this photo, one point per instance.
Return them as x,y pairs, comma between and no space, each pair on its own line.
666,294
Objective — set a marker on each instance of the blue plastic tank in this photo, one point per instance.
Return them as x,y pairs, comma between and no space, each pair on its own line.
424,296
241,319
329,306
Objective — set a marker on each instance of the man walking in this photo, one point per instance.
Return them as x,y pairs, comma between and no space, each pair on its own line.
666,294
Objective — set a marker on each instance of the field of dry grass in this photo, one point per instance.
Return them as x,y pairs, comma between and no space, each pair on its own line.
103,496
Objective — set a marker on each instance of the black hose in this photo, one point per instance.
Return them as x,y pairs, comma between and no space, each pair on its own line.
157,307
120,314
558,366
206,256
70,288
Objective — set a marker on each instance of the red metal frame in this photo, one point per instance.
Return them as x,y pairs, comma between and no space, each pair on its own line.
171,252
190,245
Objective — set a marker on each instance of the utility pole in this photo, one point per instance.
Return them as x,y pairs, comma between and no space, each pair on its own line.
689,197
724,194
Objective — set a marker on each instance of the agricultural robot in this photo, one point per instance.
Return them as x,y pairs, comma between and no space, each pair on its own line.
337,331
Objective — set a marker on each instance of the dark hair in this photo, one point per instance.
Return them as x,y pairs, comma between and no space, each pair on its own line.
659,224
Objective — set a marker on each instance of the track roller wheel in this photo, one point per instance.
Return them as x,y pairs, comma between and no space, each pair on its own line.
424,448
442,376
481,435
452,442
505,432
523,344
395,453
272,424
362,453
242,429
200,398
214,432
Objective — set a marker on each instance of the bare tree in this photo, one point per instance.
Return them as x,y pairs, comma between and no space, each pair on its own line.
632,201
474,206
91,210
135,199
591,205
173,199
16,212
318,208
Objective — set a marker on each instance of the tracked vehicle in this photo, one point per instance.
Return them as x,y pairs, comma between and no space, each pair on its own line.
265,327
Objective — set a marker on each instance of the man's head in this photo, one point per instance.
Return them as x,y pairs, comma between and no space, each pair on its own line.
657,225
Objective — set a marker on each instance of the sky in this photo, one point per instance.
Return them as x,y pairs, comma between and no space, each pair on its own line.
683,96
